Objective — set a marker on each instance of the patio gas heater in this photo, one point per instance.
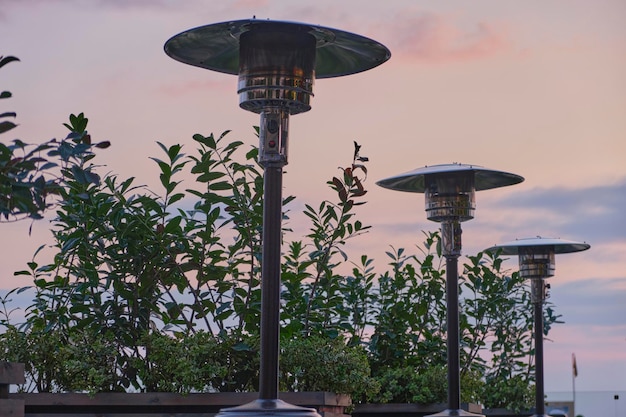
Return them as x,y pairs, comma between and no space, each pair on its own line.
536,262
277,63
450,199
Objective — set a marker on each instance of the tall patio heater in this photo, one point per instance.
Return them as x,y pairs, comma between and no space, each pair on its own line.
277,63
450,199
536,262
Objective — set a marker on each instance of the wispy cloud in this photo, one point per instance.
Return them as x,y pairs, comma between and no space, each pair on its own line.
6,5
593,212
97,3
592,302
438,38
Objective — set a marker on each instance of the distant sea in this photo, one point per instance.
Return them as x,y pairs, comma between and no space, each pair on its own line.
594,403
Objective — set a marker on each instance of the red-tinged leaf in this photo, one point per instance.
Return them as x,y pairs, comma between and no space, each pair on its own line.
337,183
343,195
361,167
357,148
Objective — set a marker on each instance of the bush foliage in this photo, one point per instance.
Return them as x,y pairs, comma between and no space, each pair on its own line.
29,173
159,290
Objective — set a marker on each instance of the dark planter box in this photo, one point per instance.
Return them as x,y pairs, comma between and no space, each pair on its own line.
568,407
503,412
406,410
167,404
10,373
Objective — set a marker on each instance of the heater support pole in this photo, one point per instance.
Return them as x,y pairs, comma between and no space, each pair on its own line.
452,313
277,65
540,408
451,248
273,140
270,282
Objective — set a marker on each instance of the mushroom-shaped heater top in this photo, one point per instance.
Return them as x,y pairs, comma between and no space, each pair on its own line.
536,255
276,61
450,188
536,261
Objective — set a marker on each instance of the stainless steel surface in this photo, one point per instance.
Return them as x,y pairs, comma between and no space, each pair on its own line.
450,199
216,47
415,181
277,63
450,196
276,67
537,255
559,245
451,238
537,261
268,408
260,91
274,137
538,290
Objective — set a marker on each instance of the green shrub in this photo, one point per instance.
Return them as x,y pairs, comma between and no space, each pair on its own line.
424,386
42,356
406,385
128,257
514,393
322,364
89,362
29,174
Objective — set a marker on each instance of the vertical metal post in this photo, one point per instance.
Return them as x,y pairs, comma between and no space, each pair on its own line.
273,141
277,63
538,292
536,262
451,248
270,282
452,313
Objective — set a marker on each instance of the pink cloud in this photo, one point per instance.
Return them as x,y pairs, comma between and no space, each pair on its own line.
436,38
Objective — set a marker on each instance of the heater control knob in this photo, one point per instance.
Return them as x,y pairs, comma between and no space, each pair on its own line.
272,126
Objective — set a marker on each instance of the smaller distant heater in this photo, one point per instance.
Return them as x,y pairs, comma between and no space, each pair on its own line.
536,262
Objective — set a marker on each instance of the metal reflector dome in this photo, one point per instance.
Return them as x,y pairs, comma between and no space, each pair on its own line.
216,47
484,179
559,245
